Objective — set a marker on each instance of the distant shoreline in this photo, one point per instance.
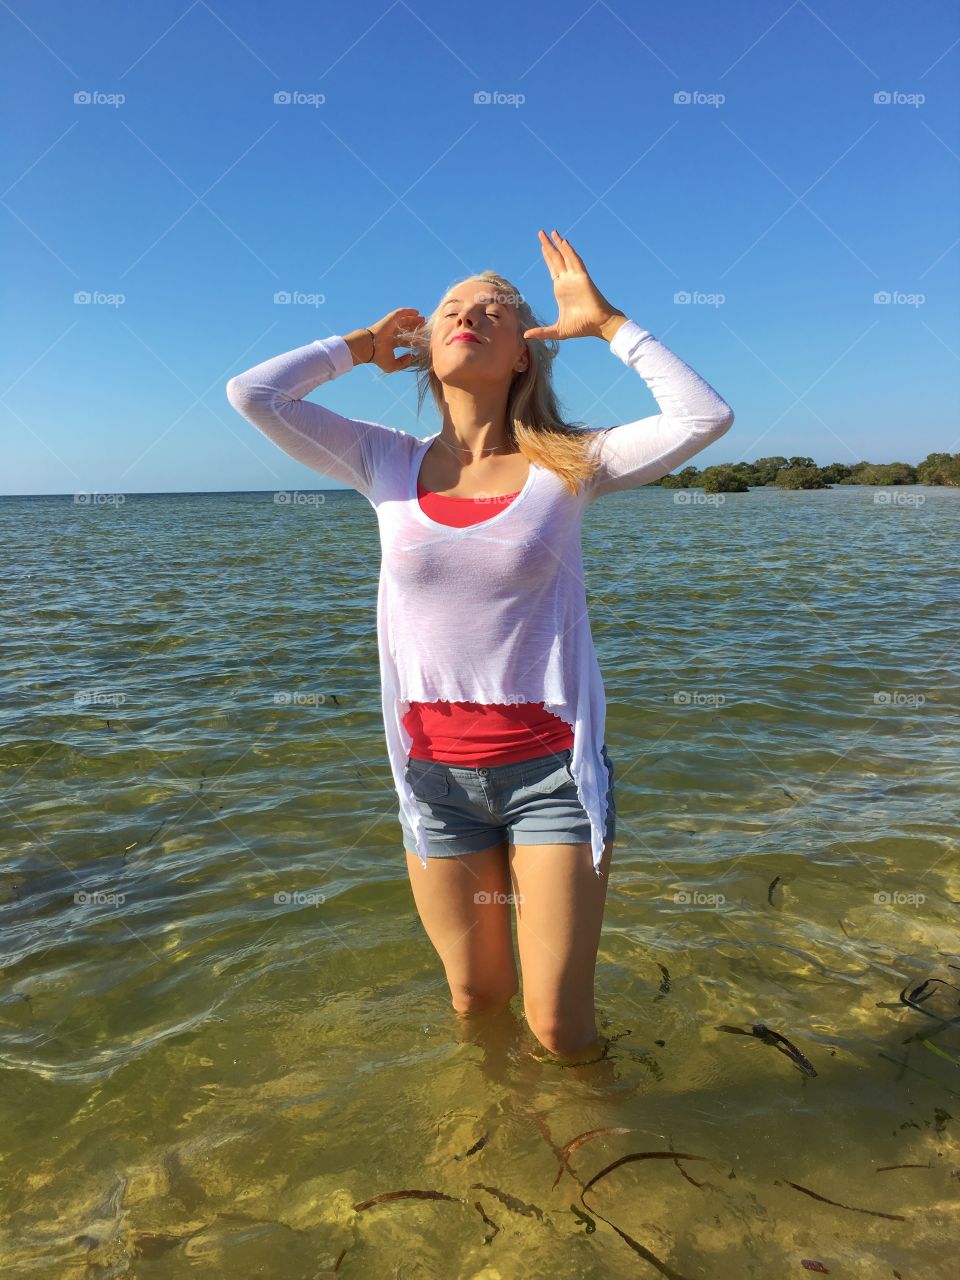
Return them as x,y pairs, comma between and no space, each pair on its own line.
936,471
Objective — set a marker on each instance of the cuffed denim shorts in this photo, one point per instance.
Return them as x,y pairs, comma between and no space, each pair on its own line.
467,809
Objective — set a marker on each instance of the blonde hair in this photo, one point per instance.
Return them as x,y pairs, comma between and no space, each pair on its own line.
534,420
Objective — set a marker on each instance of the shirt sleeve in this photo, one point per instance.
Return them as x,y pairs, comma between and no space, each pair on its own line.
692,415
270,395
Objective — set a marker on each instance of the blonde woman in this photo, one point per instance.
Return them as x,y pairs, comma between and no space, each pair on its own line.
493,701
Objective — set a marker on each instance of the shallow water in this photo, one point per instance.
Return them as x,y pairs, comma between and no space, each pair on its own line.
223,1026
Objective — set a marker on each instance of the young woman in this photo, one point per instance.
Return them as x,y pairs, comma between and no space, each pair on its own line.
493,700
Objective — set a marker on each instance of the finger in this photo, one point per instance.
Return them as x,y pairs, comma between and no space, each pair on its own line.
570,257
553,258
542,334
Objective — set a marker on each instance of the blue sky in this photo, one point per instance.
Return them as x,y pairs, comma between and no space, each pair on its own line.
781,195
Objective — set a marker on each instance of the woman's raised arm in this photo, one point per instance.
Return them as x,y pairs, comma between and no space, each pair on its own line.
270,395
692,415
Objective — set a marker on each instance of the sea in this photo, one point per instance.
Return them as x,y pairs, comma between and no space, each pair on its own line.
226,1043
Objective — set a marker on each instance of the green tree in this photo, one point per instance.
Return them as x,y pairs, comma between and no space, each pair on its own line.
723,479
835,473
799,478
687,478
801,462
887,473
857,470
767,468
748,471
939,468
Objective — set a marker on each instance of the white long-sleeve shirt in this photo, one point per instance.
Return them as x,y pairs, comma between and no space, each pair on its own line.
495,612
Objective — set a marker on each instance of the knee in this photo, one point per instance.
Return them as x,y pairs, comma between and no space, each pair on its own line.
562,1034
472,997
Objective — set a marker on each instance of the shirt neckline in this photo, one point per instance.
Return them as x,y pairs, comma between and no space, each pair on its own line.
422,516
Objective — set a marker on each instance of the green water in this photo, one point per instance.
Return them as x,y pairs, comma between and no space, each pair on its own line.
202,1078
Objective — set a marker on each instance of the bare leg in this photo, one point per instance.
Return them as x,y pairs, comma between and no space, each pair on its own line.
465,909
560,905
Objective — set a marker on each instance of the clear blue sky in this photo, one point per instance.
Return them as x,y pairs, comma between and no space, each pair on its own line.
198,197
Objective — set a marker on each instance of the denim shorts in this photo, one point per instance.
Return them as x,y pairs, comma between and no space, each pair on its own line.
467,809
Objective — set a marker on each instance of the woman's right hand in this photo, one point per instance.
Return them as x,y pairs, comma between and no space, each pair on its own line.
386,336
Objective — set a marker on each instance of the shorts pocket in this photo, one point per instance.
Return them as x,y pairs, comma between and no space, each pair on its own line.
547,777
426,780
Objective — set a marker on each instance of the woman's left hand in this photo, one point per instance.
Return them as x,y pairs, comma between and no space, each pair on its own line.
583,308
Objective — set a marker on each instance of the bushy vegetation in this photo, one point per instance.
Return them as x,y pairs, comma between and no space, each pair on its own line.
803,473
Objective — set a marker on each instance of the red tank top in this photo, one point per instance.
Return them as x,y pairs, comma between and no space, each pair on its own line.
473,733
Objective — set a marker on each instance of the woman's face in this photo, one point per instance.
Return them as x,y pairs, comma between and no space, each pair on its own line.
476,340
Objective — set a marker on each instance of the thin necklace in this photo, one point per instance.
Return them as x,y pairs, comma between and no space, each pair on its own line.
493,449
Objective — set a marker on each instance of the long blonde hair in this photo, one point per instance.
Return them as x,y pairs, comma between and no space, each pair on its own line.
534,420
